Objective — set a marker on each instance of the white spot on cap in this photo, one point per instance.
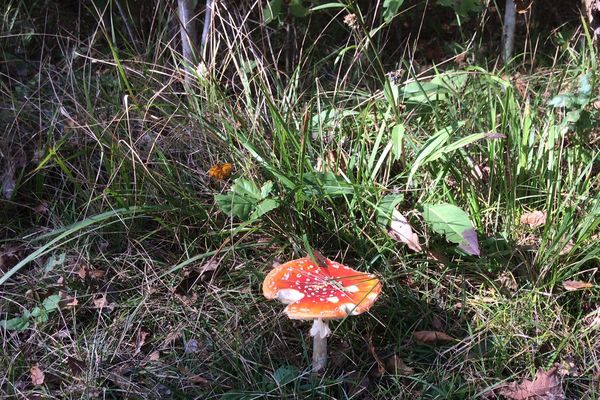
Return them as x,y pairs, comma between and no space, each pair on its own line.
372,296
349,308
286,276
333,299
351,289
335,265
288,296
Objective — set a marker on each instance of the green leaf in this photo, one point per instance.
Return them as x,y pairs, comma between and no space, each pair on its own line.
327,183
390,9
328,5
15,324
284,375
454,224
272,10
397,138
562,100
264,207
53,261
240,200
386,207
585,87
51,302
297,9
266,189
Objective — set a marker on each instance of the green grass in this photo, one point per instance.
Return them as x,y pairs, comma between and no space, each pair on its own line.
109,152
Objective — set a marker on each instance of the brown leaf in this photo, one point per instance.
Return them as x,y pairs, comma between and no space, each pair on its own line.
534,218
380,365
96,273
76,366
42,207
571,286
140,340
81,271
545,386
37,375
100,301
523,6
172,336
401,231
396,366
431,336
209,266
198,379
154,356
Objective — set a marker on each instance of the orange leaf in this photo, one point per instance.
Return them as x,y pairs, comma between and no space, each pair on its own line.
220,171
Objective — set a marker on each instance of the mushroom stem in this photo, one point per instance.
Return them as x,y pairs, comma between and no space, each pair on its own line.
320,331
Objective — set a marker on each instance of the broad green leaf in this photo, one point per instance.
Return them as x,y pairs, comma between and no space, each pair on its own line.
327,183
390,9
15,324
51,302
266,189
264,207
272,10
240,200
585,87
53,261
386,207
562,100
397,138
284,375
454,224
297,9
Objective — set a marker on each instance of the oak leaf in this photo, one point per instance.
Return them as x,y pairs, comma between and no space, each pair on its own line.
545,386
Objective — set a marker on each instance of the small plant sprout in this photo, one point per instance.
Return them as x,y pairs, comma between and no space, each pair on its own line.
321,292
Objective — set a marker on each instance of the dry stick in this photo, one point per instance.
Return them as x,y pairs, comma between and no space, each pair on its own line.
508,31
187,29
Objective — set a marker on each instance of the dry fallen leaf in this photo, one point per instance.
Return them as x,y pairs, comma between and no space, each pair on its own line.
76,366
96,273
571,286
545,386
396,366
220,171
380,365
100,301
401,231
154,356
431,336
37,375
534,218
140,340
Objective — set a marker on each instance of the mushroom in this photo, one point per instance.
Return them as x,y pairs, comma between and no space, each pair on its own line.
321,292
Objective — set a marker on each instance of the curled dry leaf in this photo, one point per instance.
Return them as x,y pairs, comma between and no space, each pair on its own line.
220,171
431,336
545,386
140,340
37,375
401,231
571,286
534,218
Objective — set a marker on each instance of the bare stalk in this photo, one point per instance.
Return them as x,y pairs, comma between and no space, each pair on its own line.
508,31
187,29
208,16
319,331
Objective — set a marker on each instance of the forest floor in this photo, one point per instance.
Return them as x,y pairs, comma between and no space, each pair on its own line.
140,211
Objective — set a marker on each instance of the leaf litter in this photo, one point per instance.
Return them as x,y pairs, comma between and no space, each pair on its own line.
546,385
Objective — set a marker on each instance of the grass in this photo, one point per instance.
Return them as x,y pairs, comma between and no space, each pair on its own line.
108,150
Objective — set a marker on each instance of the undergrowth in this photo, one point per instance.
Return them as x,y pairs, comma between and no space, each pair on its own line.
108,204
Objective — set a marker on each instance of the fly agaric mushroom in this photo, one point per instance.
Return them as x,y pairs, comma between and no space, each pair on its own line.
321,292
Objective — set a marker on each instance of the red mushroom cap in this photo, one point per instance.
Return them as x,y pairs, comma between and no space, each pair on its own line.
328,292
